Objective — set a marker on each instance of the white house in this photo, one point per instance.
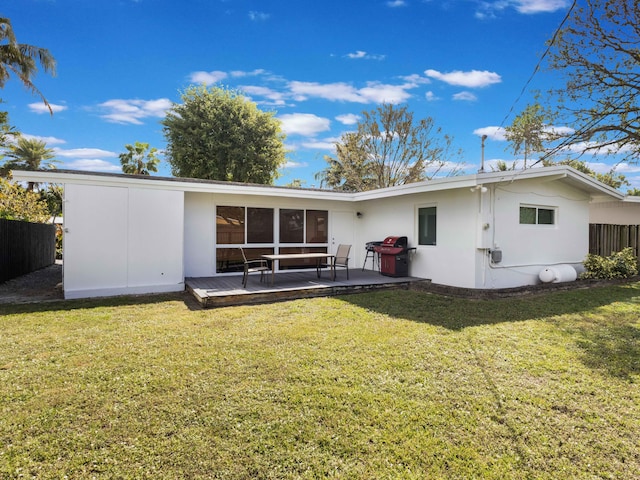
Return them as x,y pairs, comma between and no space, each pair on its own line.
131,234
616,212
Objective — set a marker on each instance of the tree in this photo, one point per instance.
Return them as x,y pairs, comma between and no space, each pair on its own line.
528,132
16,203
611,178
389,148
597,51
218,134
28,154
22,60
139,159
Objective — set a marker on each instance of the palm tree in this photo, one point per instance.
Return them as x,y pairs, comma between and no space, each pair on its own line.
22,59
28,154
138,161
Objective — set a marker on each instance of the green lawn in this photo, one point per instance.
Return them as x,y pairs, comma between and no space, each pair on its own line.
396,384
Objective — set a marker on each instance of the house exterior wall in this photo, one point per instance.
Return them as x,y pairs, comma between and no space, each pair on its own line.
451,260
527,249
121,240
199,226
616,212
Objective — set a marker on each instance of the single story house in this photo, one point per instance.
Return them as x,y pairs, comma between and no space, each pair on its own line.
141,234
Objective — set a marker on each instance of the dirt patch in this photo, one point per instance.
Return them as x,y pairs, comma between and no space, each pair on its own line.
39,286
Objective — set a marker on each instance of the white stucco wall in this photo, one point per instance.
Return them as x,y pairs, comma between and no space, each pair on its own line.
121,240
451,260
199,227
616,212
527,249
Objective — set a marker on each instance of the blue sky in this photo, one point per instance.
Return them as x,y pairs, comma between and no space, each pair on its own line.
317,64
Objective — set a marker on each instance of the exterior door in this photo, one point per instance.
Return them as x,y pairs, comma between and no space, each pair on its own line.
342,225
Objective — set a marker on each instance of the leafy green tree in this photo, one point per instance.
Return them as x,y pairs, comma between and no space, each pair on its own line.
389,148
139,159
6,132
501,166
28,154
634,192
597,52
21,60
16,203
611,178
218,134
529,131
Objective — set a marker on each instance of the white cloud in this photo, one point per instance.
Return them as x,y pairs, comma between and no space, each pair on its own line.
133,111
430,96
396,3
47,140
348,118
489,9
207,78
292,164
83,152
320,144
380,92
465,97
364,55
42,108
494,133
258,16
470,79
273,96
252,73
306,124
339,91
416,79
343,92
93,165
538,6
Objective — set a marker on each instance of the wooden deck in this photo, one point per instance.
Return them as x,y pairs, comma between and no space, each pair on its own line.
227,290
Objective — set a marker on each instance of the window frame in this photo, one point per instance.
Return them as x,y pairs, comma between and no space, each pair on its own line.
419,236
538,208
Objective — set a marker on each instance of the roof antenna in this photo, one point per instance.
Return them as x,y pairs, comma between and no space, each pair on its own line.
483,138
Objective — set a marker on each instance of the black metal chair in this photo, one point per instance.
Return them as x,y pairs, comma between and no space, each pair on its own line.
251,266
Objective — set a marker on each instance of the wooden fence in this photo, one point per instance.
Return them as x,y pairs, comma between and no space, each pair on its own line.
25,247
606,239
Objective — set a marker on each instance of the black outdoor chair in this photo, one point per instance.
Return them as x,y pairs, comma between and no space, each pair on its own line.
251,266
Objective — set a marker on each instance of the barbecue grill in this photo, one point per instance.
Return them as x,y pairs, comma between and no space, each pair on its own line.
394,256
371,253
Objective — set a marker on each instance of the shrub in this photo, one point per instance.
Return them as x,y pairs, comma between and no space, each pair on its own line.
622,264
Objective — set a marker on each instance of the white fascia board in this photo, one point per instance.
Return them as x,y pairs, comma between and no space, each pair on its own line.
559,173
203,186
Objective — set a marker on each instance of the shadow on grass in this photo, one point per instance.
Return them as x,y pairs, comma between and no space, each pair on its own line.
456,313
610,344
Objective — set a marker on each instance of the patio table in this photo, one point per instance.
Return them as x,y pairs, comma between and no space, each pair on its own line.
293,256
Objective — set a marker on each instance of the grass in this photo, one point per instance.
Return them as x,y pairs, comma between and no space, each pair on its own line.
396,384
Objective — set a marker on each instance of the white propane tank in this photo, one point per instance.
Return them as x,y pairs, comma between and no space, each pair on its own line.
558,273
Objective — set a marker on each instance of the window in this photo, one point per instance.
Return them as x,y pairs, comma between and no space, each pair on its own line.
530,215
259,225
230,225
427,226
291,226
294,224
317,226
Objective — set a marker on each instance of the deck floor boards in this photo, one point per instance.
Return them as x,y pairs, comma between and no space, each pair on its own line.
228,290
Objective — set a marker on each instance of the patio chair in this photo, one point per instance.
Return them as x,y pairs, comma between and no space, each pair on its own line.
341,259
251,266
